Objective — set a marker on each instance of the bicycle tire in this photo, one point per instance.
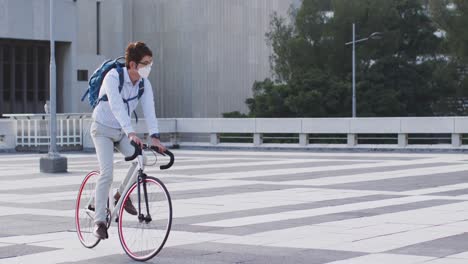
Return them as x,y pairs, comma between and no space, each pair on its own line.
160,205
84,223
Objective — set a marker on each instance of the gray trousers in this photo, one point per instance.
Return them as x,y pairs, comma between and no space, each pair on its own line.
105,139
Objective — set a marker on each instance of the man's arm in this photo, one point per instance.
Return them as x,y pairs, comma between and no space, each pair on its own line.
147,103
110,85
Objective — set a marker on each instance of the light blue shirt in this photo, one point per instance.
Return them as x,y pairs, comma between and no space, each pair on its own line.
114,113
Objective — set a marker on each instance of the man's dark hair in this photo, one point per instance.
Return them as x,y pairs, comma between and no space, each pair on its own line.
135,52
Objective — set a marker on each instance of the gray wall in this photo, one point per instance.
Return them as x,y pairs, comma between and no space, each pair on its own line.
27,19
207,53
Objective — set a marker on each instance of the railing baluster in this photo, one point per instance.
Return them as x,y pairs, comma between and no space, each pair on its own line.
29,132
74,132
80,131
61,132
68,132
35,132
22,132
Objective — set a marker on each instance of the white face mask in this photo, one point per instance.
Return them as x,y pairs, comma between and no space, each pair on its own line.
144,72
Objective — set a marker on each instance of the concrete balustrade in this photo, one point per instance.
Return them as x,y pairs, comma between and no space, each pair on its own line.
352,131
7,134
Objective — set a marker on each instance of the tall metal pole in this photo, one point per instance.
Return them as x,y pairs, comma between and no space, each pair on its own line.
53,162
375,35
53,88
354,70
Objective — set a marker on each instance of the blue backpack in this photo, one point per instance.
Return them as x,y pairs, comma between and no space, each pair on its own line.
96,79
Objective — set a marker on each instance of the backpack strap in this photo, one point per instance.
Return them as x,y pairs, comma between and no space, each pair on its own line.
121,81
95,78
121,77
141,90
84,95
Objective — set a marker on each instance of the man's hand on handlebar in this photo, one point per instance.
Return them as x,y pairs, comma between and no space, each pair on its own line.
133,137
156,143
156,147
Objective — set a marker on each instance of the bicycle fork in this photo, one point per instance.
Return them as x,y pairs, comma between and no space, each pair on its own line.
142,181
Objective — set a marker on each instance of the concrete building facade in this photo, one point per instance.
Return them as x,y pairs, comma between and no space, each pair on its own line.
207,53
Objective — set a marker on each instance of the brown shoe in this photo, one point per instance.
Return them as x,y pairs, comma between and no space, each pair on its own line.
129,208
100,230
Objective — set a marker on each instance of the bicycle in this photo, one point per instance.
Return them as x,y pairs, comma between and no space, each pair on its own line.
142,236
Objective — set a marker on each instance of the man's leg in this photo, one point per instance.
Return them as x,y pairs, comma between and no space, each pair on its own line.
105,154
126,149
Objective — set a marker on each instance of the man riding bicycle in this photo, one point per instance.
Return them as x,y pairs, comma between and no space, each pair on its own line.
112,125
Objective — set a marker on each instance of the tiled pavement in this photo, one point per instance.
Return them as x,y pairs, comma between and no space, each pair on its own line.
258,207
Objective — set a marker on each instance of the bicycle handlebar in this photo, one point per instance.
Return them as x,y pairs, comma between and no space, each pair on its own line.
139,151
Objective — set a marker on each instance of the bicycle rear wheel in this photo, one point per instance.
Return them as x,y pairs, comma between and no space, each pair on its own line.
142,239
84,211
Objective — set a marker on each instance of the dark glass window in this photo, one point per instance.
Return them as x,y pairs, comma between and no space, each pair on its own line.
82,75
25,73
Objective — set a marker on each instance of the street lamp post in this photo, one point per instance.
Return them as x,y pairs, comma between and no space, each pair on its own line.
53,162
375,35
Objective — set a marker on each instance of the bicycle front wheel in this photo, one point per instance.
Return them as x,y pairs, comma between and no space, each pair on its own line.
84,211
142,237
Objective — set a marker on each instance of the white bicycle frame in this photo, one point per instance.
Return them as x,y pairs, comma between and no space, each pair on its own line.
133,174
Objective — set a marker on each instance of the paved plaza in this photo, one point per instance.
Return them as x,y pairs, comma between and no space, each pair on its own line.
258,207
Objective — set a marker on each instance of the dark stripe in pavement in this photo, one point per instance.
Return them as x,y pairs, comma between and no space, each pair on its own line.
69,204
219,253
251,168
280,209
352,156
29,224
334,172
22,250
402,184
28,175
285,224
40,190
225,161
75,187
441,247
52,205
451,193
209,192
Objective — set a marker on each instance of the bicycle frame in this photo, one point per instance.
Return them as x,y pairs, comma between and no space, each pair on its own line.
136,175
132,174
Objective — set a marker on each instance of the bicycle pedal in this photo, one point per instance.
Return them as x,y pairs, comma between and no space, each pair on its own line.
117,219
90,213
